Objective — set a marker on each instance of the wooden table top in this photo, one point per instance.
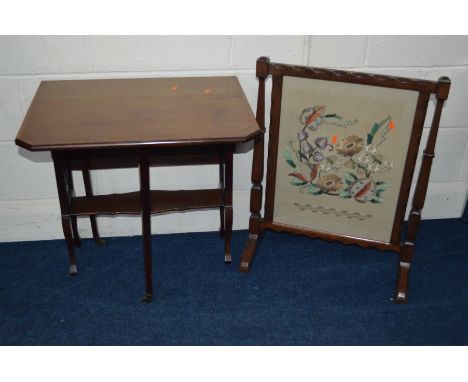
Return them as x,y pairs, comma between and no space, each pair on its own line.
116,113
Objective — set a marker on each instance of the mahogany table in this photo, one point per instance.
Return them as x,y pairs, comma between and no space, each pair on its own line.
118,123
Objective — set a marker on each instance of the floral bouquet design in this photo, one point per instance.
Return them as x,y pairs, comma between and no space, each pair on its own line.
345,167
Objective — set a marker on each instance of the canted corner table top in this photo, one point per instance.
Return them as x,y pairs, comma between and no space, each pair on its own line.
107,113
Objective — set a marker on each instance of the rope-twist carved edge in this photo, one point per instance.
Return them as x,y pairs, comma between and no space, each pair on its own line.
344,75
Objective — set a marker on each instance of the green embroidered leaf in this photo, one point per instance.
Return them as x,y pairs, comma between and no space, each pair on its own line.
334,116
375,128
295,182
346,193
287,155
380,186
350,178
376,200
314,189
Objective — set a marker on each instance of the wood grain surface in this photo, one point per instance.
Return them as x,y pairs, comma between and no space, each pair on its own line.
111,113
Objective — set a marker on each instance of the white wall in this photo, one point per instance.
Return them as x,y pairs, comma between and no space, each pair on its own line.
28,203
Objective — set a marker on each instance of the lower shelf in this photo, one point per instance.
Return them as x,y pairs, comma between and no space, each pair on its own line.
161,201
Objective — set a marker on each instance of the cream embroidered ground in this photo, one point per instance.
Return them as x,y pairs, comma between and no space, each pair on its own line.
342,147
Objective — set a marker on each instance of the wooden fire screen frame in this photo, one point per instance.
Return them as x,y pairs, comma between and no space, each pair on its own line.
403,247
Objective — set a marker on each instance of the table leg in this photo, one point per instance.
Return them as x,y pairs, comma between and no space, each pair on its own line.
89,192
465,213
64,188
74,222
76,235
228,205
222,162
145,201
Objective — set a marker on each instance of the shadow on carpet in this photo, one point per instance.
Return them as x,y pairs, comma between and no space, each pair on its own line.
299,292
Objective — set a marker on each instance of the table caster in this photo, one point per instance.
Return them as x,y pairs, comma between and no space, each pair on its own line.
73,271
147,299
99,241
227,259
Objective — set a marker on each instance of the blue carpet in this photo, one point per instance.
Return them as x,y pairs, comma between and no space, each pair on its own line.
299,292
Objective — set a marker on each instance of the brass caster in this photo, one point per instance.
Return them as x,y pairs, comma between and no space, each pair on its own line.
73,270
400,298
147,298
244,267
227,259
99,241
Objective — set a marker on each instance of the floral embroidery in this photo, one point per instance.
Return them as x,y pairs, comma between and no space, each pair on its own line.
346,167
330,183
312,117
351,146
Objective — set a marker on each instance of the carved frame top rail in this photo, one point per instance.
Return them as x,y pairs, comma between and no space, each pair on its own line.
276,69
